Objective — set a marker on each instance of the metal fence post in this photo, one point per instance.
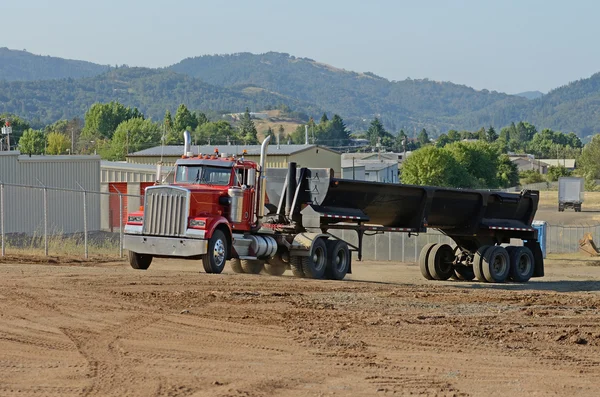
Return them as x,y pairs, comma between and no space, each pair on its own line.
2,216
416,238
120,225
85,233
45,221
403,245
389,246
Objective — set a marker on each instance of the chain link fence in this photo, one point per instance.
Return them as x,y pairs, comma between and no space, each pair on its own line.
53,221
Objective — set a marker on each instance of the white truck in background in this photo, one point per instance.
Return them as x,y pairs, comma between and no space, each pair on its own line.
570,193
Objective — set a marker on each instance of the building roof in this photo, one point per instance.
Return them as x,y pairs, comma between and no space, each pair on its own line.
567,163
378,166
50,158
123,166
251,150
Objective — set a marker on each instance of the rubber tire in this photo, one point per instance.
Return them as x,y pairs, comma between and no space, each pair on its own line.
236,265
464,273
491,275
437,262
477,262
273,269
423,260
312,268
208,260
334,249
139,261
296,266
252,266
515,257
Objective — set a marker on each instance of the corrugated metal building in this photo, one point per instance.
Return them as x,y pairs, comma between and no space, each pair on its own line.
131,181
24,207
278,156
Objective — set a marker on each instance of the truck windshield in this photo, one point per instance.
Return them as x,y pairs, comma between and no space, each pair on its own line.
203,174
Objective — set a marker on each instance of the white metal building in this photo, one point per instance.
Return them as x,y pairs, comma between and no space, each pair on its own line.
24,207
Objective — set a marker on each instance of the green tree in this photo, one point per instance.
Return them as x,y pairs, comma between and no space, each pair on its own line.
32,142
184,120
18,125
216,133
324,119
453,135
376,132
131,136
531,176
588,164
557,172
58,143
423,137
102,119
491,134
168,120
508,172
479,159
201,118
247,129
434,167
442,141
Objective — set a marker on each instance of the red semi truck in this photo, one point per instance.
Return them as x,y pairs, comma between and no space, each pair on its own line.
218,209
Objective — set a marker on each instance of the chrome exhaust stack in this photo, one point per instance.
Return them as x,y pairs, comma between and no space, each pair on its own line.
262,189
187,144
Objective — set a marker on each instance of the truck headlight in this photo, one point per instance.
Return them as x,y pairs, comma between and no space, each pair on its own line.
135,219
197,223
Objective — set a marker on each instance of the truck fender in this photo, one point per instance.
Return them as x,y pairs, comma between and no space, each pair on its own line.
303,242
215,222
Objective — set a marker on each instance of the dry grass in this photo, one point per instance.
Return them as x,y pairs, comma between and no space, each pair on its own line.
99,245
549,199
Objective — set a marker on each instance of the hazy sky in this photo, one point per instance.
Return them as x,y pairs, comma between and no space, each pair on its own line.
503,45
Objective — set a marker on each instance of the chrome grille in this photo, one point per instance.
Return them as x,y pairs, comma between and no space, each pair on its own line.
166,211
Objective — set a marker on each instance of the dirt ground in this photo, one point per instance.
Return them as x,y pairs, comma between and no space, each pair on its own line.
103,329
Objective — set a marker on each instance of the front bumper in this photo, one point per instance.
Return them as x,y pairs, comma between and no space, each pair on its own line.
165,246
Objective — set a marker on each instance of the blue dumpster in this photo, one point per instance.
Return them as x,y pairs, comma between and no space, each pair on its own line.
541,227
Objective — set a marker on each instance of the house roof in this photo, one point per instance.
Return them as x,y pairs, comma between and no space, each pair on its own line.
378,166
251,150
567,163
121,165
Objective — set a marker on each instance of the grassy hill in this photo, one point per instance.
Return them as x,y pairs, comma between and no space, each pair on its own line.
150,90
24,66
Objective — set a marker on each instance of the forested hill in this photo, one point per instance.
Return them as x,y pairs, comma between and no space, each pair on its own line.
24,66
152,91
357,96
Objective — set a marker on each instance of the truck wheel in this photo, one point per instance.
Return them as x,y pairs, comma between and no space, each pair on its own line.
252,266
440,262
478,261
464,273
236,265
496,264
296,266
521,264
338,261
424,260
215,258
315,264
274,269
139,261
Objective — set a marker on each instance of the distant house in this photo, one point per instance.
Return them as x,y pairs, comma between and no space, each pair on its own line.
371,169
567,163
528,162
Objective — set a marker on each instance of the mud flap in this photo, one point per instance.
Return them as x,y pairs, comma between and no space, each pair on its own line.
538,257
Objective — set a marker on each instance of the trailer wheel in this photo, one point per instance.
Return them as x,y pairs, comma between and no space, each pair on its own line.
214,260
440,262
252,266
464,273
296,266
339,259
496,264
236,265
274,269
424,260
315,264
139,261
478,261
521,264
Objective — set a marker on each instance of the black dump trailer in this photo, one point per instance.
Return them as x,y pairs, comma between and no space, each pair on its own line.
312,202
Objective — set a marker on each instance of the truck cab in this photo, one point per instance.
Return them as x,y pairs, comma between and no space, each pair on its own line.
212,198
